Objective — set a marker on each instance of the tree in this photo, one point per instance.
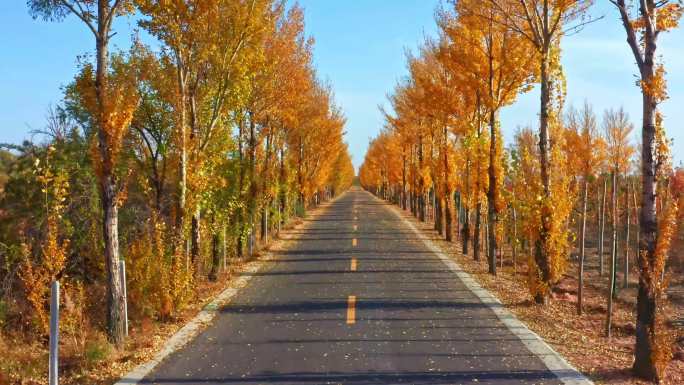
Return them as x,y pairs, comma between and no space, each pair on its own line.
589,149
652,18
503,66
113,113
544,23
619,152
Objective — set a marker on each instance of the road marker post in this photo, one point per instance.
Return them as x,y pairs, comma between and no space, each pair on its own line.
122,276
53,374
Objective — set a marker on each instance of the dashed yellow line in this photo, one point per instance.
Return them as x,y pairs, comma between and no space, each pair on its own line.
356,227
352,266
354,242
351,310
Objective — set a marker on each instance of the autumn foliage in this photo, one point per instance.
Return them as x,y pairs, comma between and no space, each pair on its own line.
182,160
441,154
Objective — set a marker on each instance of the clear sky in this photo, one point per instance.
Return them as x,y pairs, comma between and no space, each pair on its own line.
360,48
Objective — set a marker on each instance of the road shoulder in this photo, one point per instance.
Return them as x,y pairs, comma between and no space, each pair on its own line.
206,316
568,374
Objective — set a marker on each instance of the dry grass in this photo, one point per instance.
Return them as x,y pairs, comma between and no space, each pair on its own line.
95,361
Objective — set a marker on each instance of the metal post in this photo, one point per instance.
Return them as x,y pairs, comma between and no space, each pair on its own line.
250,242
266,226
225,250
122,273
54,334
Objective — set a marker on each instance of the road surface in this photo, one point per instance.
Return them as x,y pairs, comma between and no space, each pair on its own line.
357,299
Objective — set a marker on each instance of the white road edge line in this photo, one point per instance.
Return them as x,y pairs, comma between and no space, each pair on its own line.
196,325
556,364
192,328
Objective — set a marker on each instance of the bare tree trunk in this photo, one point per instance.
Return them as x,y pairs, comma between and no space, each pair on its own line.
647,298
438,215
403,181
458,215
478,227
421,186
253,187
108,190
183,156
583,232
264,223
240,216
625,277
448,233
283,183
195,241
492,193
215,257
466,210
110,231
602,227
447,193
515,241
613,254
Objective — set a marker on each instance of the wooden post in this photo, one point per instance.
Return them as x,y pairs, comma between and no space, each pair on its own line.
54,334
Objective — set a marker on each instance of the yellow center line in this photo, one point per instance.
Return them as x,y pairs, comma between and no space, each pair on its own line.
351,310
356,227
353,264
353,241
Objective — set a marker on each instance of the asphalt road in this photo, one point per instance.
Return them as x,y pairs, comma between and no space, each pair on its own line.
358,299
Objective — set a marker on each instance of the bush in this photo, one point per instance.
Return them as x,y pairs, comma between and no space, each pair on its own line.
96,350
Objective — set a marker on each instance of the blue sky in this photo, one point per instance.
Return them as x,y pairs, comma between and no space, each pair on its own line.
360,48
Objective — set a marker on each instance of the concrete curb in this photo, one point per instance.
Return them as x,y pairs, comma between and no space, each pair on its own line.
565,372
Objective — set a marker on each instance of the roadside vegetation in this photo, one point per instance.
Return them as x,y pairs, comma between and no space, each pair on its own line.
572,207
182,160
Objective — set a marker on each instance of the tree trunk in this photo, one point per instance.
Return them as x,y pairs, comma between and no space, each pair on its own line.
515,241
282,184
602,227
240,215
583,232
264,224
625,277
647,298
108,192
403,181
466,230
457,208
110,231
195,242
466,216
438,215
421,186
182,160
541,255
613,253
448,233
492,193
215,257
478,230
